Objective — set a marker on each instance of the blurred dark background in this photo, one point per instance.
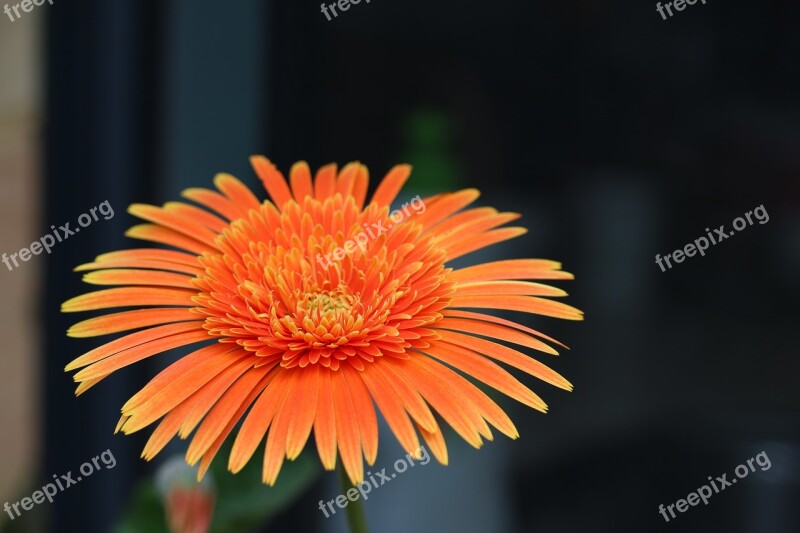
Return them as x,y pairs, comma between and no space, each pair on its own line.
618,136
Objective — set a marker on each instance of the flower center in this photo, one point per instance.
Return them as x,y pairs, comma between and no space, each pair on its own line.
268,292
322,320
325,303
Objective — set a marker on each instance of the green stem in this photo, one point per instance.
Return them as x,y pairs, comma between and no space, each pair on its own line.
354,509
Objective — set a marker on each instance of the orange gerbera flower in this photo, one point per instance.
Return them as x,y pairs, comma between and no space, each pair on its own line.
304,340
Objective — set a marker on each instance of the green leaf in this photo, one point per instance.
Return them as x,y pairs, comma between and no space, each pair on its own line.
244,502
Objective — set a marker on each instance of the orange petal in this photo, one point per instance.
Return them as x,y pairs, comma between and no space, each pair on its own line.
465,232
412,401
205,360
487,407
196,215
390,186
448,225
174,222
459,413
502,321
165,431
275,451
220,415
137,353
527,304
134,339
86,385
365,413
482,241
508,356
183,386
511,269
436,444
138,277
360,184
128,297
391,407
239,194
347,432
171,423
497,288
140,263
304,404
273,180
127,320
214,391
205,462
300,177
446,206
347,178
325,182
496,331
214,201
170,258
482,369
258,419
325,422
162,235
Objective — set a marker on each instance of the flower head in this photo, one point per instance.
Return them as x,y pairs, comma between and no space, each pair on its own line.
315,309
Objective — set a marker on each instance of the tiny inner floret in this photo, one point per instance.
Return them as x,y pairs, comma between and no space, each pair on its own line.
324,319
326,302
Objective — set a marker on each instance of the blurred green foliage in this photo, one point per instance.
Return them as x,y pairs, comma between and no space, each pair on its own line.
427,139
